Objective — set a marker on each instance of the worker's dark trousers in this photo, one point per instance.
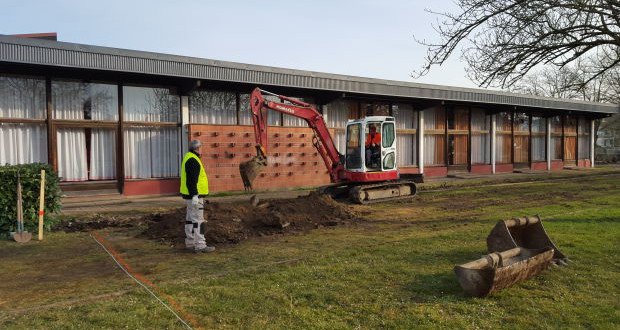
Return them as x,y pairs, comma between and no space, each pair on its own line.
194,238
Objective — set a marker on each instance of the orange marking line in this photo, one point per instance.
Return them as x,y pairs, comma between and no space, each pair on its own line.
145,280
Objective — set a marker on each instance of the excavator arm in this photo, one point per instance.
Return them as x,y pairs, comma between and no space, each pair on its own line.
321,140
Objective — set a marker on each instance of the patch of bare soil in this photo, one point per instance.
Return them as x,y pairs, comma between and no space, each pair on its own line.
234,222
94,222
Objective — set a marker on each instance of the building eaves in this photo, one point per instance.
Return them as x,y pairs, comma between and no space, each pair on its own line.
72,55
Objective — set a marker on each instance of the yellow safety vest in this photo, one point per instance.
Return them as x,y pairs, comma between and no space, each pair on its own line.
203,182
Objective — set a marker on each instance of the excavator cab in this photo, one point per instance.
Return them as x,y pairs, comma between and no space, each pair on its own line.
371,144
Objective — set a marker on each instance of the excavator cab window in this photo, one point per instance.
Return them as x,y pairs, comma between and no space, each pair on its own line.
354,147
373,146
388,145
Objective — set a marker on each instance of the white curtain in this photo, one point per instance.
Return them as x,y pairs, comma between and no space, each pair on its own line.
22,98
151,152
539,136
336,113
583,138
245,116
406,118
538,148
72,154
293,121
102,154
434,144
103,141
213,107
405,145
480,149
480,138
22,144
69,100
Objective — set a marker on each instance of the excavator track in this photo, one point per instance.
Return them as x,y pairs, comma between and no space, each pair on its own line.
372,193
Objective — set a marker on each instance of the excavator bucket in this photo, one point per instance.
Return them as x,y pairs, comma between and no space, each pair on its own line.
526,232
500,270
249,170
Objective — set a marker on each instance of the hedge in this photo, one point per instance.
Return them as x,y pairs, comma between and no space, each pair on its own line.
30,175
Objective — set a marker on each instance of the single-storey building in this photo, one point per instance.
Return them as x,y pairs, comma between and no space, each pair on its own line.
120,119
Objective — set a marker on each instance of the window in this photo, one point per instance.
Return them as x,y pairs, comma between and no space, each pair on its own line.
336,115
480,137
522,137
213,107
354,148
406,128
388,135
539,136
584,138
556,138
23,143
245,114
503,133
152,137
458,134
292,121
570,138
434,136
85,153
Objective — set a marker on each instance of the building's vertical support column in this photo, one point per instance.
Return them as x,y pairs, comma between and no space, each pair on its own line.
120,148
493,141
51,132
184,124
421,141
548,142
592,139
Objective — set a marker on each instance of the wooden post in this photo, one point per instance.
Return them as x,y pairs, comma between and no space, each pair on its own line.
41,204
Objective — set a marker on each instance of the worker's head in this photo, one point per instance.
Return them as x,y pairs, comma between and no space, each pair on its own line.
373,129
194,145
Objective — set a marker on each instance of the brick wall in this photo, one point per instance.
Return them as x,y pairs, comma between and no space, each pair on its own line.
539,166
292,159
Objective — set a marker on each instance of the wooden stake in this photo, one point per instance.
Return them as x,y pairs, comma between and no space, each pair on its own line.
41,205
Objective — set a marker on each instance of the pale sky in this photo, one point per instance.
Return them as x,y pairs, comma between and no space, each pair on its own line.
368,38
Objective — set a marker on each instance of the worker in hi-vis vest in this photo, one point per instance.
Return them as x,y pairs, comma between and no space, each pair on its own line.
194,187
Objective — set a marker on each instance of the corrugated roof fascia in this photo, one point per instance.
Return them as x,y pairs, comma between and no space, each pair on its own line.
63,54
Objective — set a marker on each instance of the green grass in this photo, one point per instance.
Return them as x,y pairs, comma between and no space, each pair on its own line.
393,270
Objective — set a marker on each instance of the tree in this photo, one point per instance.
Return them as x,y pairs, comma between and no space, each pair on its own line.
503,40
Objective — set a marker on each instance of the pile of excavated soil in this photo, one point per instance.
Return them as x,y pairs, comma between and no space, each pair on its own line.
234,222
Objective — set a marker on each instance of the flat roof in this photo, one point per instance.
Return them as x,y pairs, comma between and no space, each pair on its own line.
72,55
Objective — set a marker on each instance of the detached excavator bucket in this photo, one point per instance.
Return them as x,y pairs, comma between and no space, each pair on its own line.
526,232
249,170
500,270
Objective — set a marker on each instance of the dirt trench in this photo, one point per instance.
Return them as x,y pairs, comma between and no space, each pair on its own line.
235,222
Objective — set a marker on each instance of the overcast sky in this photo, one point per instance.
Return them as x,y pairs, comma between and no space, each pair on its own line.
355,37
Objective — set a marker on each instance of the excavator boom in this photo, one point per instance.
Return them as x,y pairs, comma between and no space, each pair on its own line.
322,139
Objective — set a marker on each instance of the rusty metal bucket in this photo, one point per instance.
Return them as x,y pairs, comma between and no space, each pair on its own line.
500,270
249,170
526,232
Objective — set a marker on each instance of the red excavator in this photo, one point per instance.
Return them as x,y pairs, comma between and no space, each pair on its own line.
366,173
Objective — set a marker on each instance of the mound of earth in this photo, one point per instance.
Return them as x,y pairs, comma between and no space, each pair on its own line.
234,222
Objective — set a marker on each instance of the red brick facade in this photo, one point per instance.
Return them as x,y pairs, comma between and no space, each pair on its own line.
482,169
151,187
435,171
503,168
293,160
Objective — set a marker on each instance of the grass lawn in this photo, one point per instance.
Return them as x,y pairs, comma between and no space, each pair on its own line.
392,270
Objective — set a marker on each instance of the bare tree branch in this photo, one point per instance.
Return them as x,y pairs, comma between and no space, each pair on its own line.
502,40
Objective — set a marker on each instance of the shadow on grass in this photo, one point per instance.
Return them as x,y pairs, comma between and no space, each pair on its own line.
435,287
441,285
